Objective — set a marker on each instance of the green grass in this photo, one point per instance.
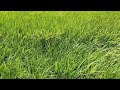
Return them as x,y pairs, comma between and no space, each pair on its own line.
59,45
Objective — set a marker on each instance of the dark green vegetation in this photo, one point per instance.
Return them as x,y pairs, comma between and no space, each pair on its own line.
59,45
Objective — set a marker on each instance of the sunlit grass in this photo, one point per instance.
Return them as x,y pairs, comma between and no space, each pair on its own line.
59,44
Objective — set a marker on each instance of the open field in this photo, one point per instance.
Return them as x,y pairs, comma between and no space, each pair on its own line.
59,45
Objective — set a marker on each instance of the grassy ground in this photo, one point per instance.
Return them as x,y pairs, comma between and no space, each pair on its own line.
59,44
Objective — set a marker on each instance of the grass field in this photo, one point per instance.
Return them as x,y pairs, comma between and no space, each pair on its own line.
59,45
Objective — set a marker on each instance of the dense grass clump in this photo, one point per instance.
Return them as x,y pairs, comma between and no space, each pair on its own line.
59,44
